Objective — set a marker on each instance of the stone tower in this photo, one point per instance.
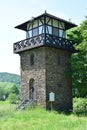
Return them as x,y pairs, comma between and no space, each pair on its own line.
45,61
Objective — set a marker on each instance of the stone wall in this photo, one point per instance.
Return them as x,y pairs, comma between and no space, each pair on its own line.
36,72
58,79
50,75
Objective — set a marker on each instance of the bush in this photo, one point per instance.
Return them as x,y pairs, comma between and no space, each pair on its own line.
12,98
11,89
6,89
2,93
80,104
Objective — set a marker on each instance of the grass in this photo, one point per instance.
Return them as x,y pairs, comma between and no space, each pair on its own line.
38,119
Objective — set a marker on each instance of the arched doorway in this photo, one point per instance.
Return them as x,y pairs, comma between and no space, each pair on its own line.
31,89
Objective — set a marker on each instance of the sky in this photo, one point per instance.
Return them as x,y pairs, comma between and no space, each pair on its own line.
15,12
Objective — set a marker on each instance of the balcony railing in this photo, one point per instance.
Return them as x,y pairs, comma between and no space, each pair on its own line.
60,42
41,40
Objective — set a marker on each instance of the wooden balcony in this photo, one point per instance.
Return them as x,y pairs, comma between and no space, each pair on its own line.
43,40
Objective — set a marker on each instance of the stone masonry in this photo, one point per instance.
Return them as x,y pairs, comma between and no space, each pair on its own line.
58,79
50,74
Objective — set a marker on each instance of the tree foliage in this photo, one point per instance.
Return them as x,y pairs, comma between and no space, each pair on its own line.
6,89
79,59
12,98
2,93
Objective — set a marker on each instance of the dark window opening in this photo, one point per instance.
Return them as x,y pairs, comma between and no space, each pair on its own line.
32,59
58,60
55,31
59,85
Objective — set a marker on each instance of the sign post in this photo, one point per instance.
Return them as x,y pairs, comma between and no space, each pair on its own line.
51,98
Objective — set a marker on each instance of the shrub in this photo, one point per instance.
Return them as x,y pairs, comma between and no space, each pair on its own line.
6,89
80,104
12,98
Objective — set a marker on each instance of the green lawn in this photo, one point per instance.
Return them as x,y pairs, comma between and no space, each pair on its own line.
38,119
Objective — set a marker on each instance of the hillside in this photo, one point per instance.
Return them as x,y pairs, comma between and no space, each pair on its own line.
8,77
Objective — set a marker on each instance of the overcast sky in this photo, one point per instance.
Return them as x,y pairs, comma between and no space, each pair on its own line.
15,12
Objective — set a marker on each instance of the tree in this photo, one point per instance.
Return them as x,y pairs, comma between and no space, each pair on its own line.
11,89
14,89
6,88
12,98
2,93
79,59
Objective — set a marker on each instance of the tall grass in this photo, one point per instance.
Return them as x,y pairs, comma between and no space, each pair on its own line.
38,119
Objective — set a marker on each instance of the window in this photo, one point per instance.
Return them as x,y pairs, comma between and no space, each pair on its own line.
64,34
35,31
55,31
49,29
29,34
41,29
32,59
59,85
58,60
61,32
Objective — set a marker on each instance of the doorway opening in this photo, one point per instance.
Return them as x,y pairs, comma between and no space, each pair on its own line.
31,89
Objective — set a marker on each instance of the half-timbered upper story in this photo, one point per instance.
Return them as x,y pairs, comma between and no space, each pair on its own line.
45,30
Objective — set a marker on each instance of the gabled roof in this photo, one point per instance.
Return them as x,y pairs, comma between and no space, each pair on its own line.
68,24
